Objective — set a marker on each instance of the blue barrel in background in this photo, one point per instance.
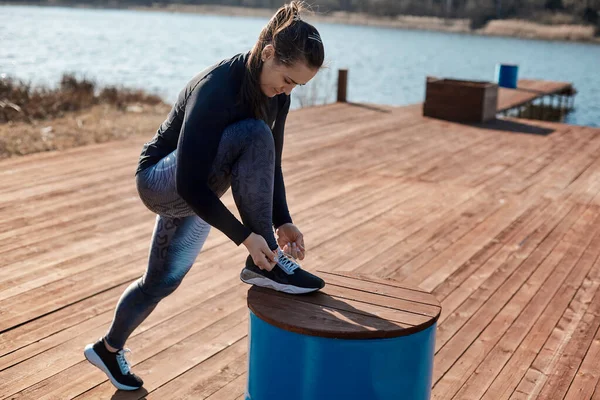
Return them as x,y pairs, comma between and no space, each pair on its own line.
356,339
507,75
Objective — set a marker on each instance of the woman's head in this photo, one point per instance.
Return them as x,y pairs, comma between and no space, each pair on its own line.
289,52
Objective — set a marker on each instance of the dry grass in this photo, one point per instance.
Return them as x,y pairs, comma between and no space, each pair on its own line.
74,114
19,101
526,29
554,18
98,124
354,18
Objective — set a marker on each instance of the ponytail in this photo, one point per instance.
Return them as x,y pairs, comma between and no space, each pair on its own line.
294,40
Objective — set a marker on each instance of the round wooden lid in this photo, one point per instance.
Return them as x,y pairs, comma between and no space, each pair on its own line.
350,306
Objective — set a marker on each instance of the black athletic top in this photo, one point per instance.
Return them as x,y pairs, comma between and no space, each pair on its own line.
204,108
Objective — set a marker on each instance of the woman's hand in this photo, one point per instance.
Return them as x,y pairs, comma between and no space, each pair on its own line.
260,252
291,240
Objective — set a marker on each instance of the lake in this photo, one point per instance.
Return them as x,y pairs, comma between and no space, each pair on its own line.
160,52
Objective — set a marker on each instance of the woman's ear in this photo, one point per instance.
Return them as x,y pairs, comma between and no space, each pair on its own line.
268,52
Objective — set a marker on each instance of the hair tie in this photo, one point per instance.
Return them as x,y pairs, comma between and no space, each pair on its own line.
297,16
314,36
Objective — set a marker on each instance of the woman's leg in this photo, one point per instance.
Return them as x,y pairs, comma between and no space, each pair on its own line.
251,164
176,243
245,161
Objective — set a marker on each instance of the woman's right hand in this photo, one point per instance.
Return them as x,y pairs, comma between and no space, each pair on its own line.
260,252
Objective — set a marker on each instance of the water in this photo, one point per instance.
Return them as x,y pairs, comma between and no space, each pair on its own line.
160,52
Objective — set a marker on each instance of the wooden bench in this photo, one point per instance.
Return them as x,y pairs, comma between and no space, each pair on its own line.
359,338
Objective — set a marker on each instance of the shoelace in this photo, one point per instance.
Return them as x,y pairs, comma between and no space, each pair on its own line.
122,361
286,262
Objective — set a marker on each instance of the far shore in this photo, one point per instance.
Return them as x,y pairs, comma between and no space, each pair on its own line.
507,28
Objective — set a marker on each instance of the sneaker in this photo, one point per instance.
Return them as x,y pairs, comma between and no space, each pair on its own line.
114,365
286,276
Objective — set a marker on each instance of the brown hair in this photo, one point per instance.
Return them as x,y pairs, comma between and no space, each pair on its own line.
293,39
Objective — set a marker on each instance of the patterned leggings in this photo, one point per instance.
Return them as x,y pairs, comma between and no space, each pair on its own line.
245,161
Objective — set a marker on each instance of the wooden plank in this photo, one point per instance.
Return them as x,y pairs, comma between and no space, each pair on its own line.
525,337
224,373
62,372
385,287
456,253
71,250
588,375
429,228
402,231
507,241
58,322
342,290
42,214
232,390
558,360
564,168
532,297
470,296
457,333
500,266
438,236
198,278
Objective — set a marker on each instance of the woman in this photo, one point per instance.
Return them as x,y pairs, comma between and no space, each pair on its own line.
226,129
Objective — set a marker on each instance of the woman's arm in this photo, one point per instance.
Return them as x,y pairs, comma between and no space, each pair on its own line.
281,214
206,117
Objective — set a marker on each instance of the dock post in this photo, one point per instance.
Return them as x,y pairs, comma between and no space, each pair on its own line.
572,103
342,85
543,109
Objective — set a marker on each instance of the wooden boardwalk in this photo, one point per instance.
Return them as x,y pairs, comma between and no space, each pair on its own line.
529,90
500,222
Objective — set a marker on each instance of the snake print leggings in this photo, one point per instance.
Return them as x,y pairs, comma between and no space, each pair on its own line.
245,161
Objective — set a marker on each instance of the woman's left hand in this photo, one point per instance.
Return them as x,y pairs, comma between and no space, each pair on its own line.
291,240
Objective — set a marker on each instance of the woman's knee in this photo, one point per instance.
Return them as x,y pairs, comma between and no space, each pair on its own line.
158,290
254,131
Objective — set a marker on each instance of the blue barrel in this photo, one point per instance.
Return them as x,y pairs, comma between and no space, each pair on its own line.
356,339
507,75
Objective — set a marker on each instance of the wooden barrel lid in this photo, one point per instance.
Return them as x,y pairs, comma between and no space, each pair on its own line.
350,306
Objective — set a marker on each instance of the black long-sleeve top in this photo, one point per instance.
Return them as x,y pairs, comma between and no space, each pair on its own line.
204,108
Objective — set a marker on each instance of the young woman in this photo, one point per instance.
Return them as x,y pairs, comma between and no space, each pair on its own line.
226,129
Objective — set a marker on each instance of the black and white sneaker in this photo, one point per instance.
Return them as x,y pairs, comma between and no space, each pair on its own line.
114,365
286,276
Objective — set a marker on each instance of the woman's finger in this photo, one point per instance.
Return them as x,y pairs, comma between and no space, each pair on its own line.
293,251
270,255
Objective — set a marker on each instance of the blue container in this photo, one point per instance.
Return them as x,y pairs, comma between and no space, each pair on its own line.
507,75
286,365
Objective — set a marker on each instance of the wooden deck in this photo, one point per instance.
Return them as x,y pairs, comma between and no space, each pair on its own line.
528,90
500,222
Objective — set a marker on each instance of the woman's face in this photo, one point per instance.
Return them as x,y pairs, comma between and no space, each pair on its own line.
276,78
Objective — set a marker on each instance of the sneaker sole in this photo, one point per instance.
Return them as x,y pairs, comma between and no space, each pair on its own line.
252,278
95,359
